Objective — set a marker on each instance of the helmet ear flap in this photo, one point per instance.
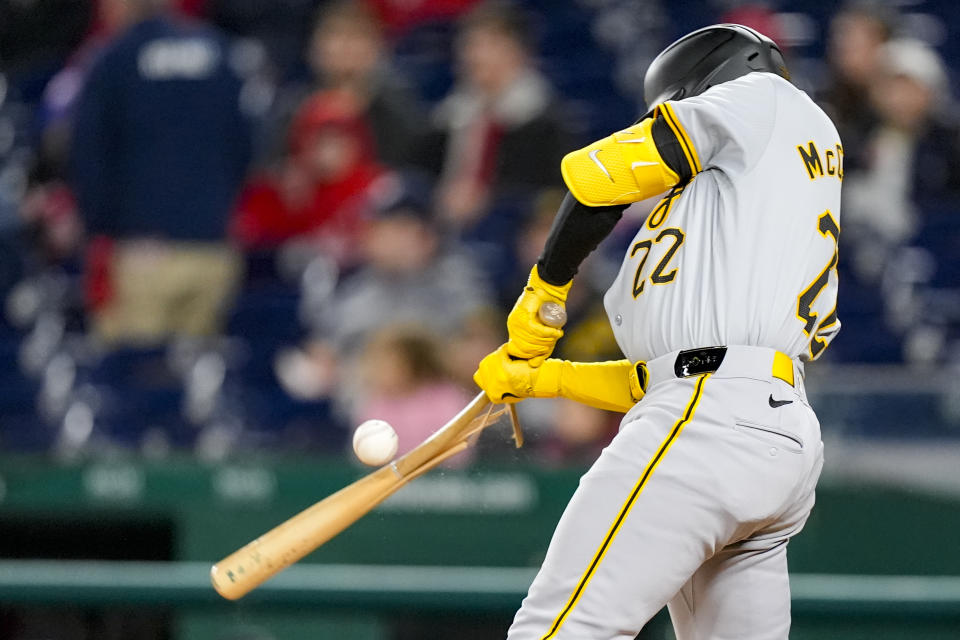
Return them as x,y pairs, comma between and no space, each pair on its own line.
776,59
678,94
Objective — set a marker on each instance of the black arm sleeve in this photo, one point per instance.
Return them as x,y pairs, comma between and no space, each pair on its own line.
576,232
578,229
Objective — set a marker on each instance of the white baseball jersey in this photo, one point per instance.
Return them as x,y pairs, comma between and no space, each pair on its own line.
746,252
694,501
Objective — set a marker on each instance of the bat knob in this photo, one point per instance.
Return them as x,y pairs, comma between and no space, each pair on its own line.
553,314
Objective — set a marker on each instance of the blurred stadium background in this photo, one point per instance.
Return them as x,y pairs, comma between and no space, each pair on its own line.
232,229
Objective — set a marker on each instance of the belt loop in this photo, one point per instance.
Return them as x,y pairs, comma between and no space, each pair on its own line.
782,367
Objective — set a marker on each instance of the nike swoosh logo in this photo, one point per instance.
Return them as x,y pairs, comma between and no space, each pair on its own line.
596,160
778,403
643,164
635,140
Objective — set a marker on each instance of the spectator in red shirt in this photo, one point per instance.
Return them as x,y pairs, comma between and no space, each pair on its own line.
322,190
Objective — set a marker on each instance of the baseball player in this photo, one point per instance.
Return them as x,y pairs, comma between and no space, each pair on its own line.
729,287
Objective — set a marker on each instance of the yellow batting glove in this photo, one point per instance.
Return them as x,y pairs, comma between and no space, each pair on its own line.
506,379
530,338
611,386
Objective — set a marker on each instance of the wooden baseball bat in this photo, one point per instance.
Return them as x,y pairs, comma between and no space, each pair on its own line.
240,572
255,563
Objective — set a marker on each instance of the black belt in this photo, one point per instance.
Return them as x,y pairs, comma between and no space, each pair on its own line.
694,362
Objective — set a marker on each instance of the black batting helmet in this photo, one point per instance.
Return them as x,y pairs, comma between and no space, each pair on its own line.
707,57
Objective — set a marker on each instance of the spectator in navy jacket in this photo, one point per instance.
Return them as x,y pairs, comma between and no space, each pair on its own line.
160,151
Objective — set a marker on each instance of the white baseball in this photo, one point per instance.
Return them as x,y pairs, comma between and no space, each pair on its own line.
375,442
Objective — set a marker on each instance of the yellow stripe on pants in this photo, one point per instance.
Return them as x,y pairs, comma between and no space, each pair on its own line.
627,506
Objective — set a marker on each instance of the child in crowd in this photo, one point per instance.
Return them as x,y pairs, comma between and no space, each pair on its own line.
404,382
409,276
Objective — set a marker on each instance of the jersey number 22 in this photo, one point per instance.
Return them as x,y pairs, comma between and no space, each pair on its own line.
658,276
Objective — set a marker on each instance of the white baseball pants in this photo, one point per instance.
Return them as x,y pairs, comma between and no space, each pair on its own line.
691,505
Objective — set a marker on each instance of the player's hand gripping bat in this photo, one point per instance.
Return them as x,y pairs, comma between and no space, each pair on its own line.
248,567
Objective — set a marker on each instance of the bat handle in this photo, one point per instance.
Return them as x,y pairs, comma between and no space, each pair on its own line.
552,314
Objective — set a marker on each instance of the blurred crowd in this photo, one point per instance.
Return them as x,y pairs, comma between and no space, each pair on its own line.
239,224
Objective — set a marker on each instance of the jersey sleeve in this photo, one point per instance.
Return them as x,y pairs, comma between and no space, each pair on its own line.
727,127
